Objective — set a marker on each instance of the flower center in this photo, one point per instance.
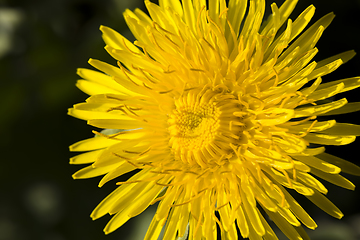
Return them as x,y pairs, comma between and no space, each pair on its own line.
196,125
203,126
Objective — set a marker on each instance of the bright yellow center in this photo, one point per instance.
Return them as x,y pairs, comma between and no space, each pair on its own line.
196,125
203,126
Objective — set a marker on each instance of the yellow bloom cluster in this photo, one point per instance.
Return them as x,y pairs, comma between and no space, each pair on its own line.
217,111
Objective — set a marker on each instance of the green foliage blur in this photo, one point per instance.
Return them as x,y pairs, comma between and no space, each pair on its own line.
42,43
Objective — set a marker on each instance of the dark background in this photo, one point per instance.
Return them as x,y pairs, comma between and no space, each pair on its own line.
41,45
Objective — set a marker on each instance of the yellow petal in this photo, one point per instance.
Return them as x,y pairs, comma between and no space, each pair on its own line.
174,4
302,20
299,212
192,227
242,222
335,179
171,224
301,231
99,78
93,88
224,210
137,26
128,59
116,221
116,172
112,71
346,166
272,25
276,48
274,116
318,163
142,16
87,115
231,234
298,26
345,57
312,182
309,38
119,152
107,203
289,216
90,171
143,201
116,40
302,128
274,193
343,129
99,107
189,14
236,12
254,218
159,16
329,139
349,84
115,123
105,67
288,229
319,109
154,230
283,13
326,92
164,206
104,206
289,143
269,233
313,151
209,218
264,199
301,66
348,108
183,220
92,144
328,68
301,166
312,88
325,204
88,157
127,200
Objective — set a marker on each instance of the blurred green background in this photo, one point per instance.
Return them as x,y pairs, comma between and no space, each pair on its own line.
41,45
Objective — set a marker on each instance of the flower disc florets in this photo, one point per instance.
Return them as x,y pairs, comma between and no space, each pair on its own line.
204,126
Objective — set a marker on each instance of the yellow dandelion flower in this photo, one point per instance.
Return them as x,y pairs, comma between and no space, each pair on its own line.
219,112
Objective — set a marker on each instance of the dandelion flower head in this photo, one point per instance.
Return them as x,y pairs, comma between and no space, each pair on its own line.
217,113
